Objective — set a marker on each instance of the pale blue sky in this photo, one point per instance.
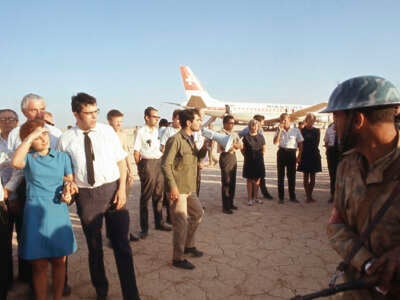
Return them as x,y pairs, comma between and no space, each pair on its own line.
127,53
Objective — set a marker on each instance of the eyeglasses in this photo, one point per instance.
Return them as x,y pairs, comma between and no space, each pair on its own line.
95,112
8,119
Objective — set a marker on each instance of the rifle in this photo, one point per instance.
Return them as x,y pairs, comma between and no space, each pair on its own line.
359,284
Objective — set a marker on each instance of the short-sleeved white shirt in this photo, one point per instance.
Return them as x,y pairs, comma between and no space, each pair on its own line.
168,132
290,138
330,135
147,143
107,151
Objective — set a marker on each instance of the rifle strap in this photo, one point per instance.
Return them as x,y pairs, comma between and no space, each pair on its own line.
392,173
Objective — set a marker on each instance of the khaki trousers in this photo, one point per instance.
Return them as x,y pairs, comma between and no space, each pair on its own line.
186,214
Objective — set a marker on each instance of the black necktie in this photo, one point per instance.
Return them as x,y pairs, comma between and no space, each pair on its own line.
89,158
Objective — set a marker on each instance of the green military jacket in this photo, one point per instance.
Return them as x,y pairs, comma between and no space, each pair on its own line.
179,163
361,190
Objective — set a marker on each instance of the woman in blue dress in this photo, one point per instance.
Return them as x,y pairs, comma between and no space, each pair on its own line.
47,235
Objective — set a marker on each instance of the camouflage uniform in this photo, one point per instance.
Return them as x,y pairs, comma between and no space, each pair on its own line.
362,189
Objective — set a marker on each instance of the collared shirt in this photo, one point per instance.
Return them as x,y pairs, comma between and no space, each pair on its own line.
235,138
107,151
330,135
290,138
360,191
169,131
147,143
179,163
198,139
14,140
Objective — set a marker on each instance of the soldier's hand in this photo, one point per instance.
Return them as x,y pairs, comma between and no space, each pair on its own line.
387,266
174,194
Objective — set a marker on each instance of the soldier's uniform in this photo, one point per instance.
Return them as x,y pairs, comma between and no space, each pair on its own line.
362,188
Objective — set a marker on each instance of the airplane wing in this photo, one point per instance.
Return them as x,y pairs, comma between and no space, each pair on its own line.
302,112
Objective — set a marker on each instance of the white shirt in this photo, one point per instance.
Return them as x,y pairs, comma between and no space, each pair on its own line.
14,140
198,139
147,143
107,151
290,138
330,134
169,131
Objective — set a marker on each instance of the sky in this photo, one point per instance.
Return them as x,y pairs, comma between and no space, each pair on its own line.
127,53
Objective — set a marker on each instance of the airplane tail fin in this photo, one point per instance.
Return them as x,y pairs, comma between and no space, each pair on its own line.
196,95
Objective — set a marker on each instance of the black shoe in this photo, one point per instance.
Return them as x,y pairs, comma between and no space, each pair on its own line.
101,297
193,251
133,237
183,264
143,235
280,201
67,290
294,200
234,207
227,211
268,196
164,227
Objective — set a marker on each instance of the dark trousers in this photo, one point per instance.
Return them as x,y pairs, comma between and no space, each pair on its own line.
286,158
151,186
5,256
93,205
228,165
332,158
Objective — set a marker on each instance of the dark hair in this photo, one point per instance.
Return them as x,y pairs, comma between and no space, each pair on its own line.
113,114
283,115
227,118
29,126
259,118
378,113
187,115
175,113
10,111
80,100
148,110
163,123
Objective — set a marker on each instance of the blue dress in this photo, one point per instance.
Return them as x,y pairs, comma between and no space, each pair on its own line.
46,228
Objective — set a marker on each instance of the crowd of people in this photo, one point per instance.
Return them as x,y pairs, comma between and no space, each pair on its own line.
44,170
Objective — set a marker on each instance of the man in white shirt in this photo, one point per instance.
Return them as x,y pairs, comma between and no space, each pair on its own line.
147,155
289,140
100,172
171,130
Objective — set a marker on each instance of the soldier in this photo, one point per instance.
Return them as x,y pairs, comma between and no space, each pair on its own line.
364,108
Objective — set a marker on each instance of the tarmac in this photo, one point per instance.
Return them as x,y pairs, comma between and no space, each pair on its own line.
265,251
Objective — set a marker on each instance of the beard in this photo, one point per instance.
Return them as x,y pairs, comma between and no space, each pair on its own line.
349,141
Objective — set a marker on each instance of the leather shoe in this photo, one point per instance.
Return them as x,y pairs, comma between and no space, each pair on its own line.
183,264
164,227
143,235
234,207
193,251
268,196
66,290
227,211
133,237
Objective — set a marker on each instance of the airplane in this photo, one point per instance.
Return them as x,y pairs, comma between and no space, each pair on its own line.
198,97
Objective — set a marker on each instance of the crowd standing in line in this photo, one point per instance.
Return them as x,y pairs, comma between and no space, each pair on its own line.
103,174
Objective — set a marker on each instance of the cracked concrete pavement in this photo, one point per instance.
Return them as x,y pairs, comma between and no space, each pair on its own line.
265,251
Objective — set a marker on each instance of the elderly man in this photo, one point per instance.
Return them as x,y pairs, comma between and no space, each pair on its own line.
367,179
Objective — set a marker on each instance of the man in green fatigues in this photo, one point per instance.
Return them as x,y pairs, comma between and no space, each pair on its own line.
179,164
364,108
